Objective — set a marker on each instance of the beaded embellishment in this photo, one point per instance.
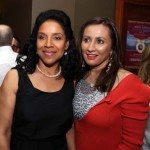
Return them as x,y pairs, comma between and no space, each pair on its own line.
85,98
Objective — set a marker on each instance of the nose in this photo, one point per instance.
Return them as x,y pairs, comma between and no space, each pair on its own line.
49,43
91,46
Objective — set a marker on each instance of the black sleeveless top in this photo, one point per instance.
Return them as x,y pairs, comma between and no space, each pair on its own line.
41,119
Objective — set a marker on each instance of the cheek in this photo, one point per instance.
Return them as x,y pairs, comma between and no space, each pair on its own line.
104,51
38,44
83,52
62,47
83,47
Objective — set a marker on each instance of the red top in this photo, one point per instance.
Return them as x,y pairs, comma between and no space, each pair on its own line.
118,121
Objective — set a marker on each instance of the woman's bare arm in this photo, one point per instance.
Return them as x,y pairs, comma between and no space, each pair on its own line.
71,139
7,103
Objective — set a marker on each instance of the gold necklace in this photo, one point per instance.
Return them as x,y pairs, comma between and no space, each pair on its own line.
49,76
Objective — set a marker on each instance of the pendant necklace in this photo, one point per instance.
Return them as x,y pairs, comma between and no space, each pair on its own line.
49,76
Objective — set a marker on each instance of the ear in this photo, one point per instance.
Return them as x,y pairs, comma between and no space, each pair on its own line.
111,52
67,45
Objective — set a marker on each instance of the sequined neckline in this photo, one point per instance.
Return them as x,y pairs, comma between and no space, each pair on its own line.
85,98
87,83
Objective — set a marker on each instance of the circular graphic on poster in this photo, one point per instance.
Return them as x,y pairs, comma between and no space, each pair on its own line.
140,46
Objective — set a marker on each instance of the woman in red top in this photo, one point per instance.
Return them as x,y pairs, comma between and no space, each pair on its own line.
110,103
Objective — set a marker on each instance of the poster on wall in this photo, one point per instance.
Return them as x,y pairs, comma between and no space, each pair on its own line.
138,37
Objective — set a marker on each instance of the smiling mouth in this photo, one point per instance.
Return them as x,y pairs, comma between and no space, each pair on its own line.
49,53
91,56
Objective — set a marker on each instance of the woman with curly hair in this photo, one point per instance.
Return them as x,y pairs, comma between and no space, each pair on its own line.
36,95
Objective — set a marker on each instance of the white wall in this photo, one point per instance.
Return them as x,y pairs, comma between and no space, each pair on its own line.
41,5
78,10
86,9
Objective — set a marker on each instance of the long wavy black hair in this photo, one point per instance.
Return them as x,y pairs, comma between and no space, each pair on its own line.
70,63
106,78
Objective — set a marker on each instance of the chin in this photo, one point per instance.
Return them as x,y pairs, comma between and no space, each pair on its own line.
91,63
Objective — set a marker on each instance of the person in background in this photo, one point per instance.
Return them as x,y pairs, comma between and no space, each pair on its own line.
7,55
144,74
144,70
110,103
16,44
36,96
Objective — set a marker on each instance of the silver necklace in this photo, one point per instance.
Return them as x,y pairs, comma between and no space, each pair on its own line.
49,76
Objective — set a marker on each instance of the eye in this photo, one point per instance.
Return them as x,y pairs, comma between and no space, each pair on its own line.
41,37
86,39
57,37
100,41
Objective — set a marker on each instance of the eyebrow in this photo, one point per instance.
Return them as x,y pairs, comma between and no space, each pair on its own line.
59,34
53,33
94,37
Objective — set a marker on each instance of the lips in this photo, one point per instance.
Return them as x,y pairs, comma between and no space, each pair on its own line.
91,56
49,53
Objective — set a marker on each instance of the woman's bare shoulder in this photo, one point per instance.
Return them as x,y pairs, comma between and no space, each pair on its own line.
12,75
122,73
11,80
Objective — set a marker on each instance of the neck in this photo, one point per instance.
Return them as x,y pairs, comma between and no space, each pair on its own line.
49,75
92,76
96,70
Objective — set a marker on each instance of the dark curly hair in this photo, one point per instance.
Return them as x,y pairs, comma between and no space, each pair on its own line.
70,63
106,78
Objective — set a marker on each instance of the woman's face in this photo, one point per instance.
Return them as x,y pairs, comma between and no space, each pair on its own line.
51,42
96,45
